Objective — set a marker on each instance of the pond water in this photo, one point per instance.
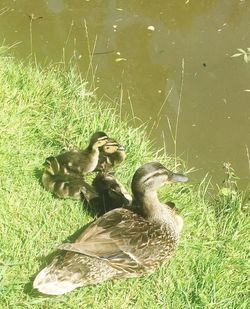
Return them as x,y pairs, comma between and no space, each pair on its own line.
160,61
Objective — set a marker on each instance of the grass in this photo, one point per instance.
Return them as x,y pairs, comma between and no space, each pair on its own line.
44,111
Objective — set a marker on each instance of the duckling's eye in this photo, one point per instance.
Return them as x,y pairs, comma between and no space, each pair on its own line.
107,147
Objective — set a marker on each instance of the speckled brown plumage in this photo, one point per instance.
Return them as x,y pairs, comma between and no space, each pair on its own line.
121,243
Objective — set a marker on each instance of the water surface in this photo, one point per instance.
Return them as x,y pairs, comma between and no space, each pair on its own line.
139,50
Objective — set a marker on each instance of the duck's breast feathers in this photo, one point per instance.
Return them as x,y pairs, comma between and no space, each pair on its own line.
125,240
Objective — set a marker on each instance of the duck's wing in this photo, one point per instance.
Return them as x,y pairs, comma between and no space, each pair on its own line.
64,163
77,162
72,187
123,238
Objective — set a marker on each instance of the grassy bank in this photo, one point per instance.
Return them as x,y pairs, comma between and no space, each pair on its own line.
43,111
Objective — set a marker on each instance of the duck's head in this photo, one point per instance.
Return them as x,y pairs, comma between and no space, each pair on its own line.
151,176
112,146
146,181
98,139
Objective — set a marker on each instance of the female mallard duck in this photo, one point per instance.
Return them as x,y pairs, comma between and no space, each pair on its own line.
78,162
121,243
111,194
110,155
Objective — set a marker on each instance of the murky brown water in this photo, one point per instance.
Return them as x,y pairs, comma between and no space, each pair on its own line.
139,49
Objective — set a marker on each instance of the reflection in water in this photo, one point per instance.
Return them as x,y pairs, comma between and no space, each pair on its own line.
139,49
56,6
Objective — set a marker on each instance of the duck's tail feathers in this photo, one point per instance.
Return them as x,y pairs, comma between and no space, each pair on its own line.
48,283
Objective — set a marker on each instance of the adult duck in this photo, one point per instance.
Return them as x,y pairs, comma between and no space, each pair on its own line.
122,243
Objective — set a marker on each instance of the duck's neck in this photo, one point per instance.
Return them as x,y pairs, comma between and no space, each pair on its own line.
152,207
93,155
93,149
155,211
149,201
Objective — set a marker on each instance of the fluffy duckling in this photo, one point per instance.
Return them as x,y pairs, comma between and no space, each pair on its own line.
73,187
121,243
111,154
63,173
77,162
111,194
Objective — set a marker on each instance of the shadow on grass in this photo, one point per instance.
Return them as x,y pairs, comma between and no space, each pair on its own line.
38,173
46,260
94,207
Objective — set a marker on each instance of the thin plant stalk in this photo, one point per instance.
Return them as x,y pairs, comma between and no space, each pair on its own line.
31,37
91,55
66,43
179,109
248,157
4,10
121,102
131,107
165,101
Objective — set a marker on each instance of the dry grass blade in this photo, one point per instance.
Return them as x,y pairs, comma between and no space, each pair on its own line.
164,102
248,157
179,108
91,52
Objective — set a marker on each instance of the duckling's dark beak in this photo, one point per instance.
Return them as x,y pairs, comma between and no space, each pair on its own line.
121,147
177,178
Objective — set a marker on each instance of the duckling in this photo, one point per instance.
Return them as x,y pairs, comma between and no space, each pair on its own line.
121,243
111,194
110,155
69,186
78,162
63,173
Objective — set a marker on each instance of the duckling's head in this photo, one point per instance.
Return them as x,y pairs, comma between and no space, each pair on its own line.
151,176
103,181
98,139
111,191
112,146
